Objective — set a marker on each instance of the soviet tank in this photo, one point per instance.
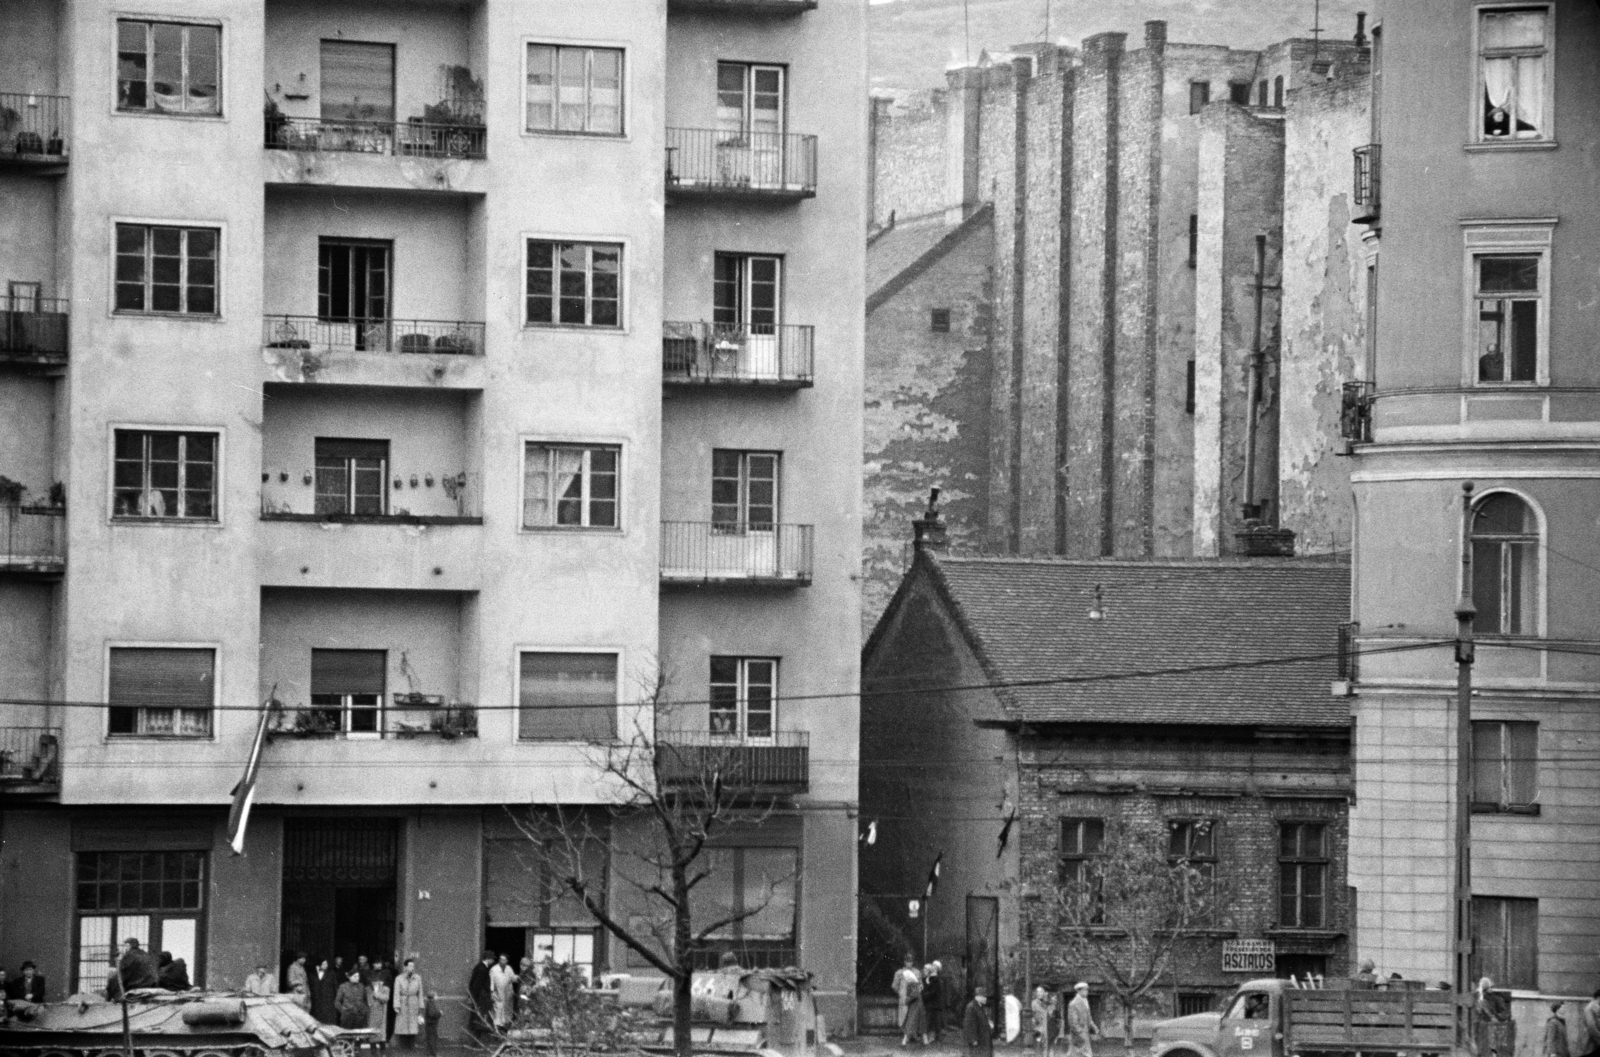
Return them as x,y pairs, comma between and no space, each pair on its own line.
171,1024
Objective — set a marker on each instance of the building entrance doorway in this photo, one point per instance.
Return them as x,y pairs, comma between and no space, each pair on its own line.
339,880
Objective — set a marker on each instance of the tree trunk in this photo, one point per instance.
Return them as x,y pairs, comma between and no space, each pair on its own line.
683,958
1127,1026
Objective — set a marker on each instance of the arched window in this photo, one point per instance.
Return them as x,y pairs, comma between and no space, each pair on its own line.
1505,566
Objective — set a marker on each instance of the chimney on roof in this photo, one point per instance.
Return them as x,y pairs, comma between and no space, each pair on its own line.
928,532
1361,29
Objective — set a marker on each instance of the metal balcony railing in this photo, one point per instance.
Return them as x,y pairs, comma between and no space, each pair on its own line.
690,758
30,757
1368,182
745,7
33,538
455,337
33,329
407,139
405,716
735,553
33,127
708,161
409,497
736,353
1355,412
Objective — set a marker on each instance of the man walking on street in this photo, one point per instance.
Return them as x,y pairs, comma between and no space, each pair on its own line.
1555,1034
976,1027
1591,1025
1080,1023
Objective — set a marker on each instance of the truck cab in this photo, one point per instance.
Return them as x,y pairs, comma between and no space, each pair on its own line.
1249,1024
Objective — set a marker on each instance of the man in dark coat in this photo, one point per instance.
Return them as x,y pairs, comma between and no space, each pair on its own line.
136,969
976,1027
324,990
481,993
29,987
173,973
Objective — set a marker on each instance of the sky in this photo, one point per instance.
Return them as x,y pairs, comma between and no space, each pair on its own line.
914,41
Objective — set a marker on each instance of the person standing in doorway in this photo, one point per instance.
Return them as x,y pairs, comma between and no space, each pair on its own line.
300,981
932,1002
976,1028
324,989
350,1003
1080,1023
378,1005
502,991
407,1005
904,977
480,992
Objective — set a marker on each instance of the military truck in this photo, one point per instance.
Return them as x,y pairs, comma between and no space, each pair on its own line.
170,1024
1273,1018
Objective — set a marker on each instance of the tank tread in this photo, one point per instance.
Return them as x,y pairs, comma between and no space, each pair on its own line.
100,1050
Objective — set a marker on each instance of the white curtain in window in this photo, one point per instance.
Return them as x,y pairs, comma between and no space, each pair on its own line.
1530,94
1498,75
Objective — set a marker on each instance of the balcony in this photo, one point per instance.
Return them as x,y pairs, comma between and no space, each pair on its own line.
405,139
30,760
1368,183
703,552
33,131
1355,413
776,356
405,336
33,540
713,163
433,499
685,759
33,333
745,7
406,716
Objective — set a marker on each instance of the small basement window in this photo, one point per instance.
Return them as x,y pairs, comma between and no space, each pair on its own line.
941,321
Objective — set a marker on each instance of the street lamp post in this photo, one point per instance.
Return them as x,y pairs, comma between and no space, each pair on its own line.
1465,612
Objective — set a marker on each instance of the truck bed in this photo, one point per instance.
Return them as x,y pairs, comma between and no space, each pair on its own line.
1346,1021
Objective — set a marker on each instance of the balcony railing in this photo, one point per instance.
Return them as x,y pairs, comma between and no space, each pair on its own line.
454,337
404,716
732,553
714,162
743,7
33,330
33,539
30,758
736,354
690,758
406,139
410,497
1355,412
1368,182
33,127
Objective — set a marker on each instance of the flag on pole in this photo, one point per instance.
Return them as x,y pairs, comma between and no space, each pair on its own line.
933,876
245,792
871,835
1005,830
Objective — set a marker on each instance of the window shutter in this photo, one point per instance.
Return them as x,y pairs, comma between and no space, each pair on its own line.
1522,943
348,671
357,81
567,696
1486,763
162,678
1523,765
347,448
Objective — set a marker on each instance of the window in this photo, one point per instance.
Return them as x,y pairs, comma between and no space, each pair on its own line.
1194,239
1302,875
758,886
574,90
169,67
1252,1005
749,103
1239,92
1513,74
1277,91
1261,93
1505,566
744,490
1505,765
161,691
1081,840
1190,1003
1509,294
569,487
1188,388
1194,841
746,292
165,475
1199,95
347,688
163,269
565,947
155,897
575,283
1505,941
357,81
352,476
941,321
567,696
353,287
744,697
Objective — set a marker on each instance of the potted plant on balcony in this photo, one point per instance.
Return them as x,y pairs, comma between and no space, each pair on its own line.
315,723
277,124
11,492
455,123
456,721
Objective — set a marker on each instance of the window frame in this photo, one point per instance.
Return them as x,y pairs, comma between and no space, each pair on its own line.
1199,96
623,89
590,969
1299,862
741,735
1495,237
346,706
1079,857
744,525
1476,139
185,227
747,130
1541,565
1501,973
352,496
220,25
1505,763
218,489
587,447
744,283
137,644
1209,864
732,936
517,652
154,917
939,321
623,245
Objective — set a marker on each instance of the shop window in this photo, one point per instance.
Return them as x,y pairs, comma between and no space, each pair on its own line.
157,898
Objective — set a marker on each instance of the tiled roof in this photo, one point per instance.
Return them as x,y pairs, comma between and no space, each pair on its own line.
1029,620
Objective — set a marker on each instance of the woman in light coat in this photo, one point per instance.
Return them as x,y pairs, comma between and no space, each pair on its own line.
378,1006
408,1006
300,982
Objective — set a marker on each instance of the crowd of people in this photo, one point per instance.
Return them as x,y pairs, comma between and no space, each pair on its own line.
925,998
369,994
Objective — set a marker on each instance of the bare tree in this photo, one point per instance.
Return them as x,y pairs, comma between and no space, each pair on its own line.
672,800
1128,908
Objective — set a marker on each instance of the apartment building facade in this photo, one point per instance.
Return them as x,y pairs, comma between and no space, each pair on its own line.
1484,249
482,392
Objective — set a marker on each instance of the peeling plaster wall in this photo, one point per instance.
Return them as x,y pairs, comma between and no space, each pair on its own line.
1324,321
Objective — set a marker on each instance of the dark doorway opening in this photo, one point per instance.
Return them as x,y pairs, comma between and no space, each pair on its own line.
1302,965
513,943
339,896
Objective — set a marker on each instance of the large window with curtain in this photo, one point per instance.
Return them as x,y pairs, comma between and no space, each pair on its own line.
1505,566
574,89
570,486
1514,74
169,67
347,690
160,691
567,696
